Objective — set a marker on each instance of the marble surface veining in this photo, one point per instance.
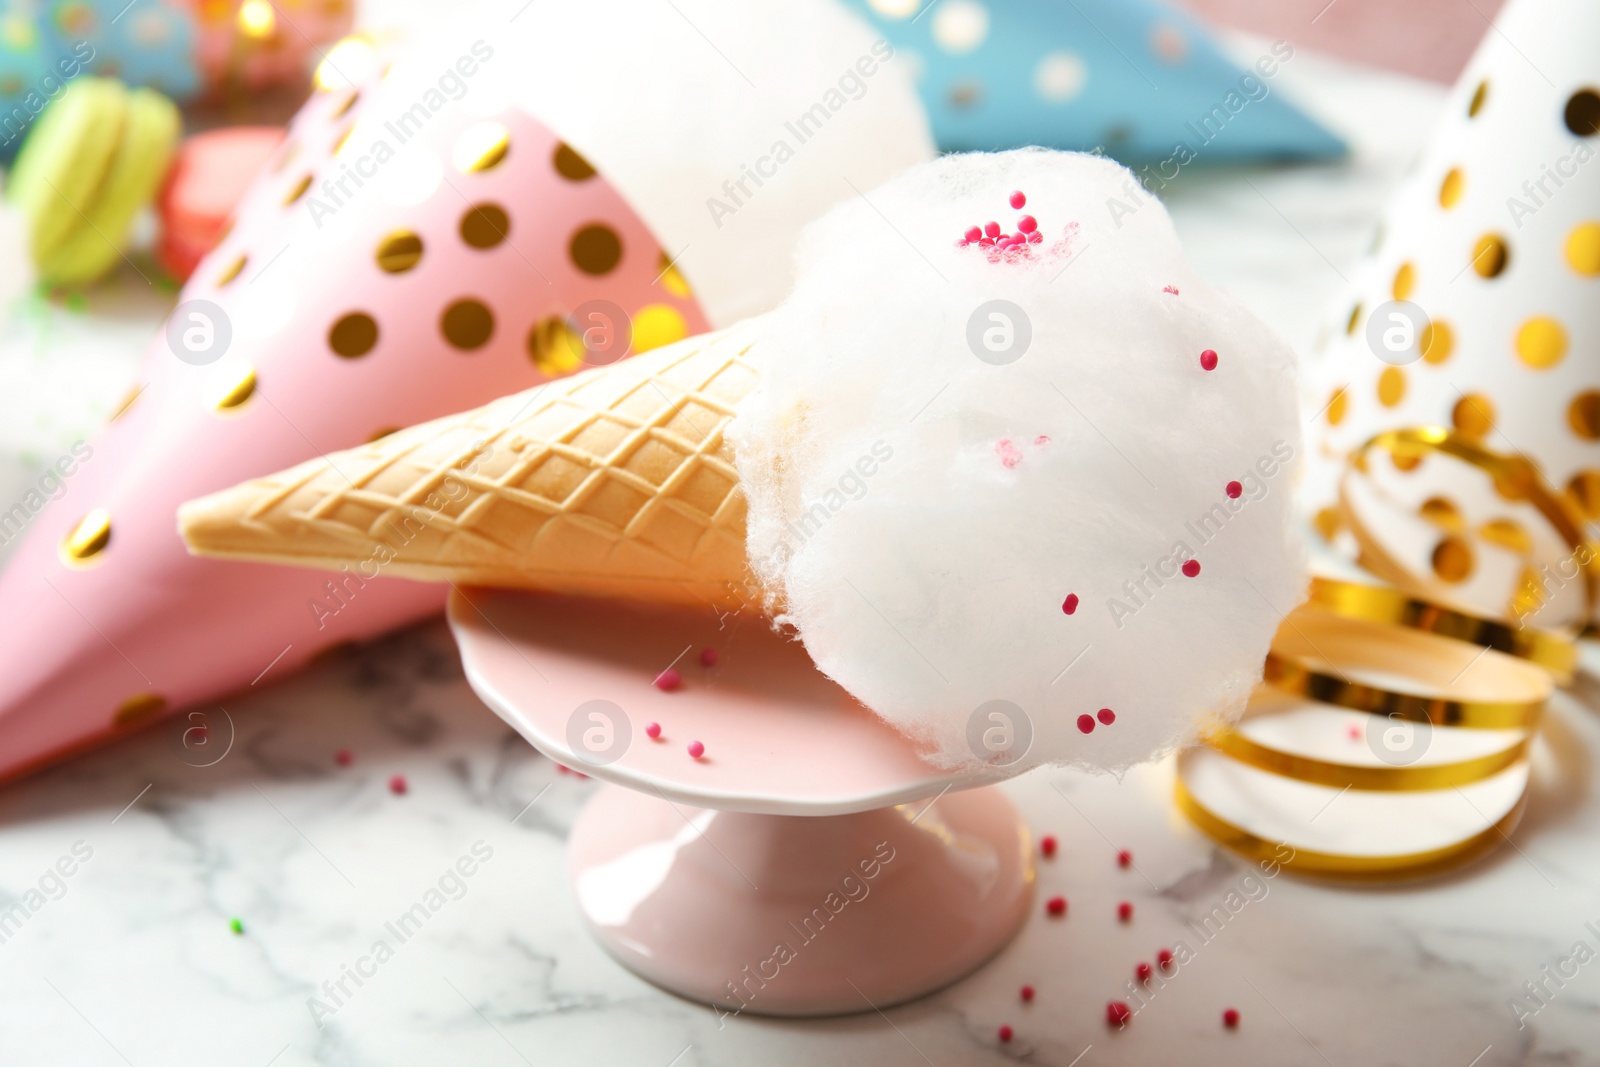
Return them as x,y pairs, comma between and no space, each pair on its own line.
131,958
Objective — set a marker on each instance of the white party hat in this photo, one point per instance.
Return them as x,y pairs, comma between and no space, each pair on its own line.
1478,312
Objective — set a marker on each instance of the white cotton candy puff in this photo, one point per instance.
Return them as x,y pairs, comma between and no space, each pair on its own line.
727,125
924,517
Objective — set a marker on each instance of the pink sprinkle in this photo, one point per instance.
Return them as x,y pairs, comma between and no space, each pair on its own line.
1010,455
1017,199
1106,716
1118,1014
1027,224
1125,911
1144,972
987,242
1027,994
696,749
1124,858
1070,604
1005,1033
708,657
1191,568
1234,490
343,757
1041,440
1173,289
1208,360
1355,733
1056,906
1230,1017
1086,723
1164,959
1047,845
973,233
652,730
1035,237
669,679
397,785
992,229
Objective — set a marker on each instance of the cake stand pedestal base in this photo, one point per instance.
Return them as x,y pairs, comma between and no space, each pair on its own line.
801,915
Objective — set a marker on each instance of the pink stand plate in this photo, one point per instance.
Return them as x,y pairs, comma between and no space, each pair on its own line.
796,868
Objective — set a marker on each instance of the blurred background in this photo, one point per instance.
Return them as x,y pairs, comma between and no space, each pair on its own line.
1424,38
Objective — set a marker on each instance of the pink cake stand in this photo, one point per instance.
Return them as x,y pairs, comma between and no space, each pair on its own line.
809,863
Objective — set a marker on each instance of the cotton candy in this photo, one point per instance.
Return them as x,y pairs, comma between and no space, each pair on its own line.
726,127
926,504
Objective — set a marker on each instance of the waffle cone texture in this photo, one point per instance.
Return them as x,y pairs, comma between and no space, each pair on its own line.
612,482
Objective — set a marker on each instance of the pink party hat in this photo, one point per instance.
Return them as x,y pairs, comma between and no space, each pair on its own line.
465,223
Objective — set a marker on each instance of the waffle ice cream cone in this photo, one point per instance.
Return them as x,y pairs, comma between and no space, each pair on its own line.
929,509
615,481
434,233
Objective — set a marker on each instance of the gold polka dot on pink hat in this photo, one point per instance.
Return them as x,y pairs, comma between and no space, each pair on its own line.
466,224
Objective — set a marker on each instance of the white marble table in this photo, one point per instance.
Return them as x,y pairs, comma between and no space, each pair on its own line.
131,959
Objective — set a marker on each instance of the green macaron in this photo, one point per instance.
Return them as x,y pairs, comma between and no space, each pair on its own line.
96,157
149,140
65,158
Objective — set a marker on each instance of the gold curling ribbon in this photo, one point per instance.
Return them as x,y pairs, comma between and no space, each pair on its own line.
1395,652
1325,657
1345,867
1447,683
1339,775
1514,477
1555,652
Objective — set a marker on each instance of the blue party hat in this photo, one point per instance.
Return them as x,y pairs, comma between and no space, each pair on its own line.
1135,78
45,44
